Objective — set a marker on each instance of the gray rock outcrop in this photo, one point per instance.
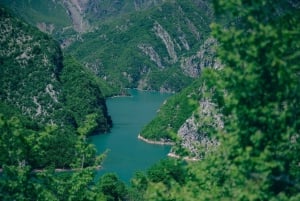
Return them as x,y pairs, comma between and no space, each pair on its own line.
205,57
167,40
149,51
76,10
195,133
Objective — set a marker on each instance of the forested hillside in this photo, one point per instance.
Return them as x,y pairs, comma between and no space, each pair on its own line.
73,16
161,48
48,107
37,81
151,45
40,13
189,119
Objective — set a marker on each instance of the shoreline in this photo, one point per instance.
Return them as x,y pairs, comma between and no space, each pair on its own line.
170,154
186,158
57,170
142,90
154,141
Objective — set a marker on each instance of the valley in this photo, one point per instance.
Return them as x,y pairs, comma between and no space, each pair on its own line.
122,84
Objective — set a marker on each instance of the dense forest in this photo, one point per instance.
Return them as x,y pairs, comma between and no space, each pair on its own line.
49,105
146,44
249,107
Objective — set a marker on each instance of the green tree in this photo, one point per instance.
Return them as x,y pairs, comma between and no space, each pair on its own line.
85,105
166,170
258,92
260,141
110,188
32,162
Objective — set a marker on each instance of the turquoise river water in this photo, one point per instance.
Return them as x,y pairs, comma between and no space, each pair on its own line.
127,154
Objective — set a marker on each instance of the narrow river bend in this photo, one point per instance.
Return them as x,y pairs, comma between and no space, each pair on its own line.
126,153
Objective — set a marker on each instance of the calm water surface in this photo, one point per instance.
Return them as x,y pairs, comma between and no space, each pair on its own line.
126,153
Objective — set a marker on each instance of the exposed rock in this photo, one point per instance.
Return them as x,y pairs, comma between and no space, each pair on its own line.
194,132
184,42
53,94
193,29
163,89
205,57
39,106
44,27
160,142
76,10
31,59
142,84
149,51
167,40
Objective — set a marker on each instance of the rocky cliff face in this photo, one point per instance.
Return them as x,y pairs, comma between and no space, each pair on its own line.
82,12
194,132
205,57
76,10
153,55
81,15
167,40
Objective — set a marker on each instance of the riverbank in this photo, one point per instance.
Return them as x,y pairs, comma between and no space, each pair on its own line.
154,141
186,158
57,170
170,154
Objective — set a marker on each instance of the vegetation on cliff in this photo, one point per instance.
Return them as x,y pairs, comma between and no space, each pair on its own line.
173,114
42,85
146,49
257,90
151,45
48,107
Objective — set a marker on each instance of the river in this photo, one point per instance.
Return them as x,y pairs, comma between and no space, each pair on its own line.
126,153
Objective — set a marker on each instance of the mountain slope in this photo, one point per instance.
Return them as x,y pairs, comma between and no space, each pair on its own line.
60,17
48,16
48,107
36,80
148,44
157,48
189,119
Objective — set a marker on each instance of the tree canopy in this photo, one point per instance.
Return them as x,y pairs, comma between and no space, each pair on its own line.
258,93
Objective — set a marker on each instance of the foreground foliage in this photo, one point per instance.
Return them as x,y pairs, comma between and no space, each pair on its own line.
258,92
48,107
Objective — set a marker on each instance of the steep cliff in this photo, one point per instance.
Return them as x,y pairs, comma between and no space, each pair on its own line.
196,133
205,57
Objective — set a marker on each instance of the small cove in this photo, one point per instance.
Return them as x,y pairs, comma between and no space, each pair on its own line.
127,154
